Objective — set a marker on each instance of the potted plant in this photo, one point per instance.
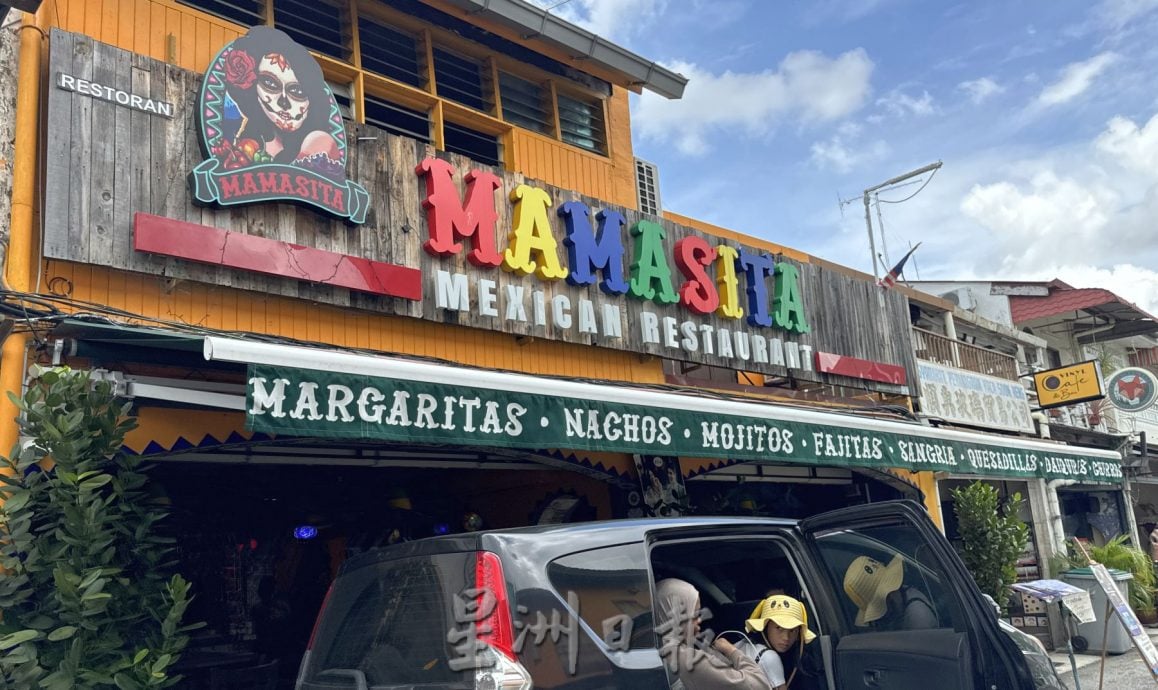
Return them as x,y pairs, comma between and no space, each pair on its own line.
1120,555
992,536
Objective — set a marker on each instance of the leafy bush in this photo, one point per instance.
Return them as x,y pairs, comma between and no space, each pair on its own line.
1119,555
993,538
86,598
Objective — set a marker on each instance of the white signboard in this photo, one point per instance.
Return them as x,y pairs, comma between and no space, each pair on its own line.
966,397
1126,615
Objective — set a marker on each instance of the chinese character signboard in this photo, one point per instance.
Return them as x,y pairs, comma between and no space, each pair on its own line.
965,397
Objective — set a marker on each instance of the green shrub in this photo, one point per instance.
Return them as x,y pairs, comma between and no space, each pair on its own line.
993,538
87,596
1119,555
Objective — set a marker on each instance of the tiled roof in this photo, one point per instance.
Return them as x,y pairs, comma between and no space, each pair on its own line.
1060,301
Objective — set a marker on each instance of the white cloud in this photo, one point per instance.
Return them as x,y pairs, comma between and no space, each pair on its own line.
901,104
1136,148
980,89
1075,79
1096,216
843,152
806,85
1118,13
820,11
1137,284
613,19
1032,221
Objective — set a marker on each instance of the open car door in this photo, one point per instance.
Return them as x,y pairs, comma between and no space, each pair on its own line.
905,612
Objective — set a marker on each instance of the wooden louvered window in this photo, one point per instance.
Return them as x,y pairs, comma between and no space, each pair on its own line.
391,52
397,119
462,79
525,103
243,12
581,123
480,146
320,25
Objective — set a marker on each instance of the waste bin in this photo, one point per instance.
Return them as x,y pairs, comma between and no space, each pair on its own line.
1117,638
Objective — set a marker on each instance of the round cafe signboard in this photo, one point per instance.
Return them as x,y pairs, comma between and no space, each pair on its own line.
1132,389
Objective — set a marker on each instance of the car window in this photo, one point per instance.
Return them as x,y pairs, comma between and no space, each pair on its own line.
732,576
886,578
610,586
390,622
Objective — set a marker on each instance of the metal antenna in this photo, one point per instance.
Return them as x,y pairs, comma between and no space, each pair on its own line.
868,221
881,223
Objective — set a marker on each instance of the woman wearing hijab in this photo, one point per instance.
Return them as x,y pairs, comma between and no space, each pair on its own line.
783,624
719,667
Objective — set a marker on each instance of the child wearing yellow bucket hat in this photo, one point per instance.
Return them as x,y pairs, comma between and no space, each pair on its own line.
783,625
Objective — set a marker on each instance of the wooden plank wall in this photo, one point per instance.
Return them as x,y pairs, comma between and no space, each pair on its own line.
106,162
167,31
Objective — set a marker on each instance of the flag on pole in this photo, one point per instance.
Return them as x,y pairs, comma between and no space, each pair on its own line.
890,279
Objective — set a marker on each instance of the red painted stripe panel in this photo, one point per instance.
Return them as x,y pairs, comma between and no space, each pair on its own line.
860,368
204,244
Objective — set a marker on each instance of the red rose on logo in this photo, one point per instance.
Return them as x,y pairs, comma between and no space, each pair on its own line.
239,69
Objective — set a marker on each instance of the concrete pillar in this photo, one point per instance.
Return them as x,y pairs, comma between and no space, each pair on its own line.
1043,530
9,63
951,334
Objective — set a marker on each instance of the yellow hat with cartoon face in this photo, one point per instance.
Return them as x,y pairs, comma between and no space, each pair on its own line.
783,610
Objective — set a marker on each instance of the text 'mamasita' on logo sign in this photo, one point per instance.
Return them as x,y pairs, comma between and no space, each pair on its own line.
271,130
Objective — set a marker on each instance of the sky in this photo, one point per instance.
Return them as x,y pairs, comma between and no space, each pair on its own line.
1044,114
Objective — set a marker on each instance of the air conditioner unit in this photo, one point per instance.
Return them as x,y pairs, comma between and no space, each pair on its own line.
647,187
962,297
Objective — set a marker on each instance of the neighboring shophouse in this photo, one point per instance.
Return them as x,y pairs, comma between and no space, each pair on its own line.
428,289
1079,325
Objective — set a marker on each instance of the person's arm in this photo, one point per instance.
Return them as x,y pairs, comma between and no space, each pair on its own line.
740,674
919,614
773,668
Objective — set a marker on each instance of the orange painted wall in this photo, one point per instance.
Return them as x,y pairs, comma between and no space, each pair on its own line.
144,27
606,178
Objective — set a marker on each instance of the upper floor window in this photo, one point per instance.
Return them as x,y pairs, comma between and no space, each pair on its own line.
525,103
581,123
397,60
397,119
390,52
319,25
461,79
244,12
480,146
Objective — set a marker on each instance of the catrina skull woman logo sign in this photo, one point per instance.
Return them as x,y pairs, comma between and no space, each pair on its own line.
271,130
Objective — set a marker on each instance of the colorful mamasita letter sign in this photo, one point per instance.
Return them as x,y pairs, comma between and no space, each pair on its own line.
271,130
748,288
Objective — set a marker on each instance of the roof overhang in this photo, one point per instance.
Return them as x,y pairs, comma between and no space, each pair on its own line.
580,44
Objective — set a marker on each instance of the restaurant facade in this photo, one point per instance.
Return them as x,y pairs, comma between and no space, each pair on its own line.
376,271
